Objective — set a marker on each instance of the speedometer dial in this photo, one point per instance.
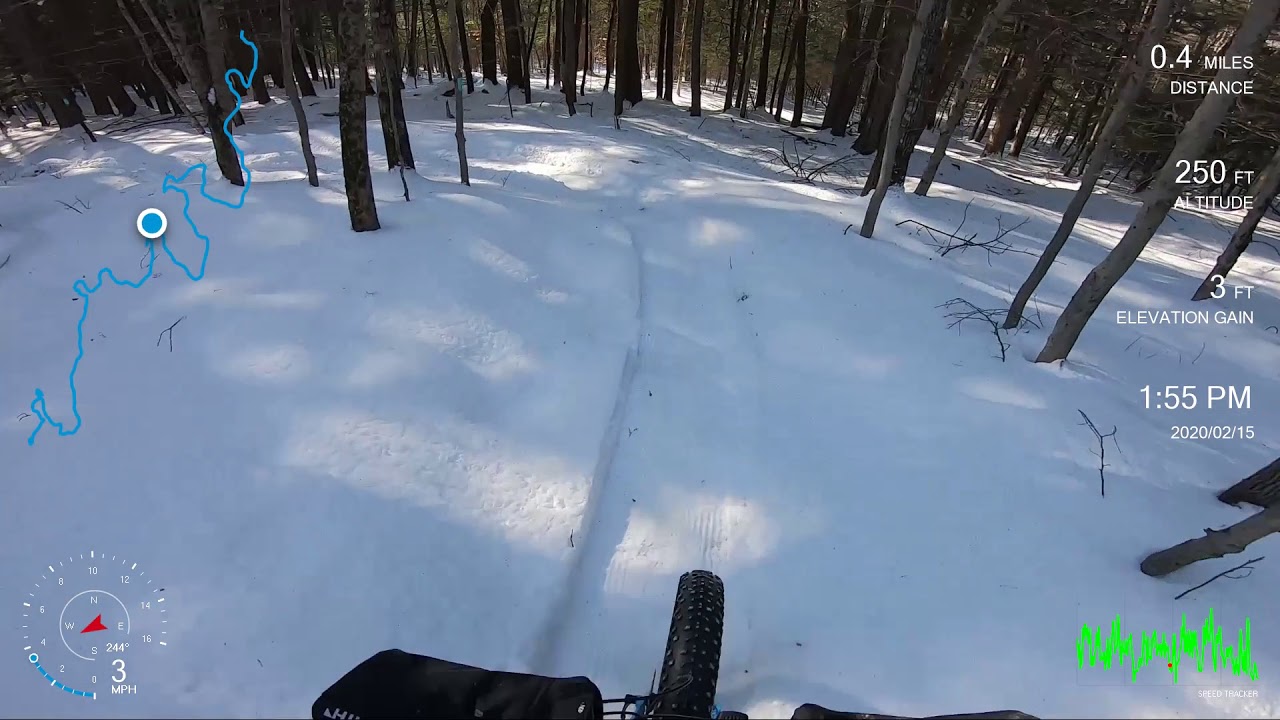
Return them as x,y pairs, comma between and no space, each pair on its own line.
86,618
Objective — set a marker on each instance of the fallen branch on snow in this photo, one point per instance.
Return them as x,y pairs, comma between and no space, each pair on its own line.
1247,565
170,331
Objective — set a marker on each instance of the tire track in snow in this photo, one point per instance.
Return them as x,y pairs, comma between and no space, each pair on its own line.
592,555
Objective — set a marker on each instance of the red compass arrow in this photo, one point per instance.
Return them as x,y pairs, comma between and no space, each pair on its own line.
94,626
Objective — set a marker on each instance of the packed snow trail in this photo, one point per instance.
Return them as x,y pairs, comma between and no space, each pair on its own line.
38,407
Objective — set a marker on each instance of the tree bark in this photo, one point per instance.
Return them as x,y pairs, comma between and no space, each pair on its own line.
894,129
967,76
186,26
489,41
629,85
395,130
1263,191
1214,544
1191,144
1137,68
155,68
695,70
1261,488
444,47
744,79
801,55
762,76
350,35
513,43
569,49
888,65
460,22
735,33
913,120
289,50
839,103
459,132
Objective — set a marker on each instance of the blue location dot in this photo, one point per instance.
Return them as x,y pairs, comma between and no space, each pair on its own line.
34,658
152,223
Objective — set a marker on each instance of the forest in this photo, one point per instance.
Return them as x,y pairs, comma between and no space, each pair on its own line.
1137,140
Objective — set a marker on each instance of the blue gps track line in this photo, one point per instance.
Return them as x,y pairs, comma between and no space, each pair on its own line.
170,183
35,660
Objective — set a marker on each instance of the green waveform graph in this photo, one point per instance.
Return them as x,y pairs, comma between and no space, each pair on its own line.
1203,645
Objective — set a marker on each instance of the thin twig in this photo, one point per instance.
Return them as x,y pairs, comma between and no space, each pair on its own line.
170,331
6,260
69,207
1102,448
1242,566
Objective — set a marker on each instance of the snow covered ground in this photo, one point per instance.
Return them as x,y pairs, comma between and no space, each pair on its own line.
499,429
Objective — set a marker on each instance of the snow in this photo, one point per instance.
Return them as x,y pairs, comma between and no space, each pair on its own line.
499,429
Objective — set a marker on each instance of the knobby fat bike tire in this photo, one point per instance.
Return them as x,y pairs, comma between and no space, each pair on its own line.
691,665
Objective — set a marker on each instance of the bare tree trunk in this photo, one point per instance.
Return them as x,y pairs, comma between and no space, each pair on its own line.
350,32
1191,144
762,76
1135,81
460,22
629,86
894,129
967,76
1263,191
569,51
444,47
155,68
186,28
288,49
390,99
744,79
735,32
214,24
1214,544
801,39
464,169
695,71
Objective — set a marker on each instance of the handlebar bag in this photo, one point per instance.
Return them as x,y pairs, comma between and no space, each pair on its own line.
396,684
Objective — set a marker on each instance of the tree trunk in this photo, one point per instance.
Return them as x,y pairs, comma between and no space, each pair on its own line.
390,98
762,76
155,68
735,33
669,82
513,43
894,129
1263,191
288,55
801,42
839,103
440,43
460,22
967,76
350,34
1191,144
1214,544
1007,116
610,44
695,70
213,22
186,26
1032,110
23,33
876,111
629,85
489,41
782,72
1261,488
459,131
744,78
913,120
569,50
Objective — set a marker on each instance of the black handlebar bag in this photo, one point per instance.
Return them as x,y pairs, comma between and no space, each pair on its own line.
395,684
